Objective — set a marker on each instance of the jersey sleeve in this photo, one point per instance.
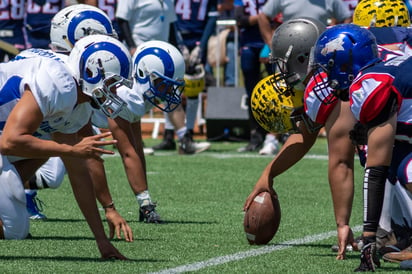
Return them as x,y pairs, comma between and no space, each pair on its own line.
369,94
54,90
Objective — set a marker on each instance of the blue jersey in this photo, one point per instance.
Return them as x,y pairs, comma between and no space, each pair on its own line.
251,34
12,22
38,21
192,18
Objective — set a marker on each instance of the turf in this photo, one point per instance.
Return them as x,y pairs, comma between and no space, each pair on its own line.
200,197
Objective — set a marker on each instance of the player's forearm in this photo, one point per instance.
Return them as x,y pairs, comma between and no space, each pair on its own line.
84,193
295,147
265,28
32,147
99,180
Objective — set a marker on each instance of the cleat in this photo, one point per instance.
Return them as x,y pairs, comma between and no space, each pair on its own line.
397,257
166,145
250,148
168,142
369,258
270,147
201,146
148,151
187,146
148,214
34,206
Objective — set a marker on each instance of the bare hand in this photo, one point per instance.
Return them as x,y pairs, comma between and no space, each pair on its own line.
108,251
345,237
262,185
91,146
118,224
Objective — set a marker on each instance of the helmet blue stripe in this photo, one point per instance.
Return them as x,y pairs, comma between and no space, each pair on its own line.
104,46
87,15
163,55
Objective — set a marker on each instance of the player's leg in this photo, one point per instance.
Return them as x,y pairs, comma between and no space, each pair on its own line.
13,214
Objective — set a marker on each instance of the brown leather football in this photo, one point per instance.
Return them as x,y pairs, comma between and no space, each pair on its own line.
262,219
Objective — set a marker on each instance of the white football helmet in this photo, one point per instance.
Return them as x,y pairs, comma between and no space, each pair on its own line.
76,21
101,64
161,67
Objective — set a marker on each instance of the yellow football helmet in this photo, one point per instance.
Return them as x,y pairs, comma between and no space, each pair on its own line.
276,108
381,13
195,83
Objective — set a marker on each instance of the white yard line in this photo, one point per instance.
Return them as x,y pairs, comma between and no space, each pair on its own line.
251,253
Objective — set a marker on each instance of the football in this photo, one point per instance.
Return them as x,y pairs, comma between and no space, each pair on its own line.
262,219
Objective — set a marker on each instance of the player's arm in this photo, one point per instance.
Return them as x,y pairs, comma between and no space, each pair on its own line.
341,170
265,28
81,182
295,147
18,140
98,176
130,147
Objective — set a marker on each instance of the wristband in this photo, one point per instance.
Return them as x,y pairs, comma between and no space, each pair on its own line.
111,205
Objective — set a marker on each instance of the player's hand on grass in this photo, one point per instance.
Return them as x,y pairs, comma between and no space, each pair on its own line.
345,237
117,224
109,252
262,185
92,146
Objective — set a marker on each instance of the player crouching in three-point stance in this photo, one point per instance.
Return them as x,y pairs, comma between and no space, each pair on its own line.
42,96
347,64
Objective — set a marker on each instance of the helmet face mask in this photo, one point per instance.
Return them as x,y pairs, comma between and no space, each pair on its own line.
105,97
163,92
101,64
159,67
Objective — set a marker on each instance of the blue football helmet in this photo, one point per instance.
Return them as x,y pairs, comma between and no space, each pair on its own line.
160,68
341,52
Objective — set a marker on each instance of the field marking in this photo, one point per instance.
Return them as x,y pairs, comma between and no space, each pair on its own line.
223,155
251,253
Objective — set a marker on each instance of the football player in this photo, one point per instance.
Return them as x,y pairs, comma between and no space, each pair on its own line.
46,97
162,62
378,93
290,50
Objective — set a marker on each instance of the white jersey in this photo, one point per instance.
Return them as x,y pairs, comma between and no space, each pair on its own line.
148,19
54,90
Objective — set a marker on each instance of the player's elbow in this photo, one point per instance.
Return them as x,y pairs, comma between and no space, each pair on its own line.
7,147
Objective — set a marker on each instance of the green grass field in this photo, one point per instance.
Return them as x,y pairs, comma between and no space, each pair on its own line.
200,197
